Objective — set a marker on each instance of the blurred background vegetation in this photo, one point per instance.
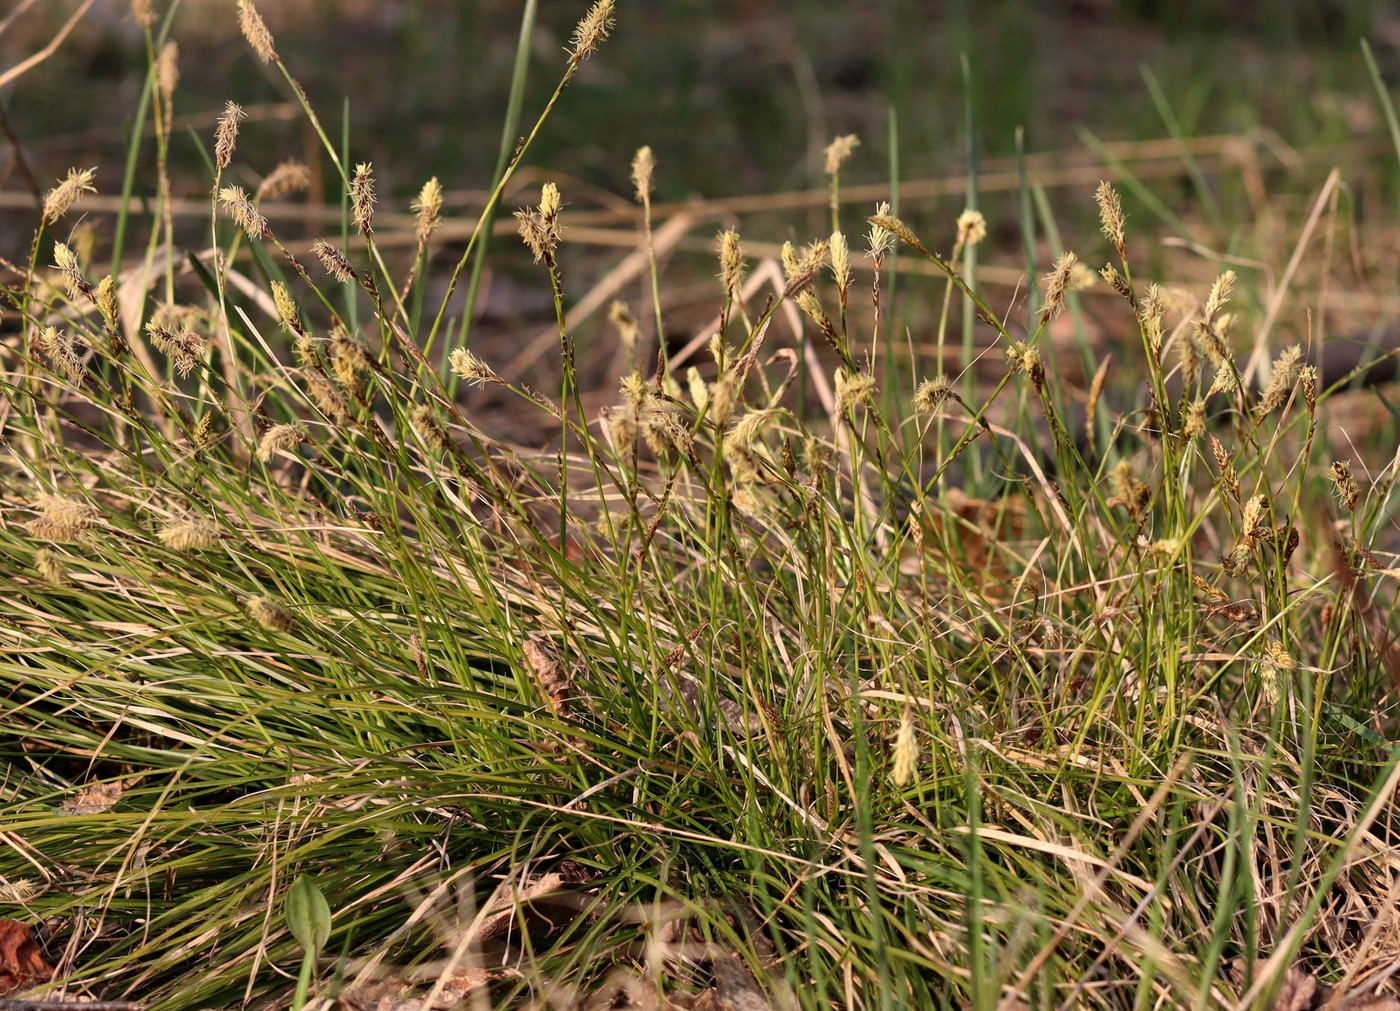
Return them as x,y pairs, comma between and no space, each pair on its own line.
735,96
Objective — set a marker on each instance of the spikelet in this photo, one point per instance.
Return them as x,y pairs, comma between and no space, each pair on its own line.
1116,281
635,390
621,430
724,394
471,368
325,396
362,197
1128,491
49,565
591,31
429,428
277,439
838,151
731,263
290,176
270,614
62,197
59,348
1193,423
972,228
643,167
189,535
251,24
183,347
1280,382
879,240
107,304
333,260
168,70
1111,217
1152,317
1220,292
852,389
664,432
1344,484
540,227
906,751
63,519
801,269
1056,284
932,394
226,134
428,208
840,264
884,220
620,315
143,14
241,209
1307,382
75,284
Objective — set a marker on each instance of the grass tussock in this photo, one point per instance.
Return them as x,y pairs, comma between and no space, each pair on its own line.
800,672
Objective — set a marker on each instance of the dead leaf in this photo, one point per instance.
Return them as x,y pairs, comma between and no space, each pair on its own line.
94,798
1301,992
22,965
554,680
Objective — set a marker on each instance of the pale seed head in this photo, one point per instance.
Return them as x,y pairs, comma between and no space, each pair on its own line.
268,613
643,166
591,31
251,24
168,70
62,197
189,535
1344,484
840,263
143,14
279,438
226,134
49,565
933,393
471,368
428,207
972,228
838,151
362,197
852,389
620,315
906,751
333,260
731,263
107,304
1056,284
1280,382
241,209
880,240
289,177
1111,217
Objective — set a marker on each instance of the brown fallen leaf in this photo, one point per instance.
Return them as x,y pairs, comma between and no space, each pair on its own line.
1301,992
22,964
94,798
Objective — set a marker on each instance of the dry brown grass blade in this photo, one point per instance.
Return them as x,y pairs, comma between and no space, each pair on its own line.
1261,337
28,64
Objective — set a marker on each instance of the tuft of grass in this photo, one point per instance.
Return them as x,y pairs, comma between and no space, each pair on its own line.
318,692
